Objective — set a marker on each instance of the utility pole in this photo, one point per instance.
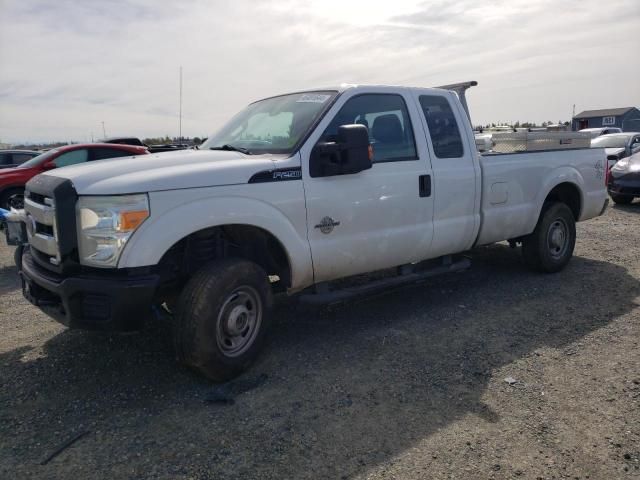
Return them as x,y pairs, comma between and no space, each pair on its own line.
180,116
104,133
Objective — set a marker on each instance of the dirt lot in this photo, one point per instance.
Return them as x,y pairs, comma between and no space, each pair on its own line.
406,385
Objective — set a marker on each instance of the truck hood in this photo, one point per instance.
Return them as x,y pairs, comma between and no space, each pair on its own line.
164,171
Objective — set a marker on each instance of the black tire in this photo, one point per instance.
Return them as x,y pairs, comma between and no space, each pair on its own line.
550,247
214,308
13,197
622,199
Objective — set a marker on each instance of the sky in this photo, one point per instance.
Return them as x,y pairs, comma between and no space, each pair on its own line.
67,66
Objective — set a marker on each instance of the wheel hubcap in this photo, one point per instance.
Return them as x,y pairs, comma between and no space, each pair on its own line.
558,238
239,321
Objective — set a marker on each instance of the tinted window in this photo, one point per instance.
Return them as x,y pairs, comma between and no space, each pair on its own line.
71,158
387,119
19,158
5,159
40,159
102,153
443,128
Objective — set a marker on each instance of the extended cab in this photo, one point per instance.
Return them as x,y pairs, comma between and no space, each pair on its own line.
294,192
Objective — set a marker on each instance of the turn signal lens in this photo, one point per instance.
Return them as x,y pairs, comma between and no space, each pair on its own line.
371,152
131,220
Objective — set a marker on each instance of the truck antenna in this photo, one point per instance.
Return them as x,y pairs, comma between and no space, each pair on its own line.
180,121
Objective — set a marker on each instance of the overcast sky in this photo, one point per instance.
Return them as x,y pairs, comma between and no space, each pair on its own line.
66,66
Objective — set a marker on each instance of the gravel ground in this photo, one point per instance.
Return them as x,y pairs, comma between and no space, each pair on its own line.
406,385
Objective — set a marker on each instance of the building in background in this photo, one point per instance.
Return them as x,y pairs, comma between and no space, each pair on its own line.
626,118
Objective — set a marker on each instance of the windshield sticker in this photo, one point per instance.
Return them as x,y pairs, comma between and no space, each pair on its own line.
313,98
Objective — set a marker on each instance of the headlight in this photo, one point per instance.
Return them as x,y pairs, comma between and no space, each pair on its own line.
621,164
105,224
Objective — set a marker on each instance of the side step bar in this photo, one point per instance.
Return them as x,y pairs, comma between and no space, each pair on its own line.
407,275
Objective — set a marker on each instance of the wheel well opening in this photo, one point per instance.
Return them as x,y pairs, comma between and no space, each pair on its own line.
238,241
568,194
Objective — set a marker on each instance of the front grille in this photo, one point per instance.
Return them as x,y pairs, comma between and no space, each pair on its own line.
50,202
41,214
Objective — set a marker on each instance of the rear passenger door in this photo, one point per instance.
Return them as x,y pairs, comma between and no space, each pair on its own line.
456,171
380,217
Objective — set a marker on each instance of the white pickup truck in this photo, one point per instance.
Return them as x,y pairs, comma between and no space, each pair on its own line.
294,192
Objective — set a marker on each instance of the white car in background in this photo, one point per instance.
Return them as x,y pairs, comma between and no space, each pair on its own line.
617,145
596,132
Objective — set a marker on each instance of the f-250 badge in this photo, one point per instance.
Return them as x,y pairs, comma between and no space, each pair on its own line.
327,224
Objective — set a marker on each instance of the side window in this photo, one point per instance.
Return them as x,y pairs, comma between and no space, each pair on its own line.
443,128
386,117
20,158
102,153
5,159
71,158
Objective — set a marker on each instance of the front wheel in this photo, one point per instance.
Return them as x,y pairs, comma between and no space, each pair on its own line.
550,247
222,318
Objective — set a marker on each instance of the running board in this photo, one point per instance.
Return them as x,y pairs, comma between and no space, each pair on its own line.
406,275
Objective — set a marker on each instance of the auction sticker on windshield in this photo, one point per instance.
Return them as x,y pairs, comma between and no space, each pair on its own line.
313,98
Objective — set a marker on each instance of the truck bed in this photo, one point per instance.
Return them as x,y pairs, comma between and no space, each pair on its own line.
514,186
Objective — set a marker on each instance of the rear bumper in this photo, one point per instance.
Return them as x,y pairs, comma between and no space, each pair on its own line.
113,302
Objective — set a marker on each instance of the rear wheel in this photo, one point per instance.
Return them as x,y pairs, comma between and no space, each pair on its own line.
222,318
622,199
550,247
13,197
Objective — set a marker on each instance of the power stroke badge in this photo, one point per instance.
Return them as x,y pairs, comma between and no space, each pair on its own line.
327,225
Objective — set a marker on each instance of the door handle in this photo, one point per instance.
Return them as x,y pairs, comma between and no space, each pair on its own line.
424,185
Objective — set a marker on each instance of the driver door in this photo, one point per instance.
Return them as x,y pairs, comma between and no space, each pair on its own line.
380,217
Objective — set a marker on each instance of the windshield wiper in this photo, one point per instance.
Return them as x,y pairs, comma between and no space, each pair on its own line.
231,148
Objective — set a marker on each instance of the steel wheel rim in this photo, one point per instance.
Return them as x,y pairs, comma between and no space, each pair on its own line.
558,238
239,321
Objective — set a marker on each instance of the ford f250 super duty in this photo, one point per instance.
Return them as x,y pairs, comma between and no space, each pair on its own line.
294,192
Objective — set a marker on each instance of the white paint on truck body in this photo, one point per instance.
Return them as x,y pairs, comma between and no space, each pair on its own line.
381,221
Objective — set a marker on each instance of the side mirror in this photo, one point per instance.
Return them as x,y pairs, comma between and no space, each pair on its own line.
351,153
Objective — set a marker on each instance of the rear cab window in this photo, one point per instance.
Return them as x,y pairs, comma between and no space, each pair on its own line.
443,127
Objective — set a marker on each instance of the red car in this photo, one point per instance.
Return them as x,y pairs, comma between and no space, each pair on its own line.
12,180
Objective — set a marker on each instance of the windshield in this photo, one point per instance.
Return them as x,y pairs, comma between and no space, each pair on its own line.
273,125
610,141
35,161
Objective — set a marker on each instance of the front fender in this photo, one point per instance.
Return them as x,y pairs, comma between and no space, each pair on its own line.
169,223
